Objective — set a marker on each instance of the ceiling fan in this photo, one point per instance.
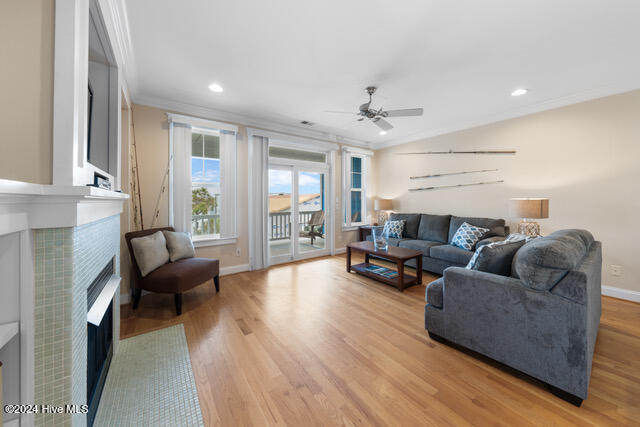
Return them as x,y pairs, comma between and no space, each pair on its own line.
378,116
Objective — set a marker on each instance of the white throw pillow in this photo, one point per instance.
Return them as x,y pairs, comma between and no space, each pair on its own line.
179,245
150,252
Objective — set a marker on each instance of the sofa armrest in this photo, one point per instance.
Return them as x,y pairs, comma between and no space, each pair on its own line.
537,332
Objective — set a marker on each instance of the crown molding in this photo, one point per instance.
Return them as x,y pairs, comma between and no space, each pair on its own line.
246,120
563,101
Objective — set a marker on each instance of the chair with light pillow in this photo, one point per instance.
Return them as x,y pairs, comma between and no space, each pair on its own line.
163,261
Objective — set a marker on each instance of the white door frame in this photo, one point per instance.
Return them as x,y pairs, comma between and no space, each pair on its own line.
300,143
296,166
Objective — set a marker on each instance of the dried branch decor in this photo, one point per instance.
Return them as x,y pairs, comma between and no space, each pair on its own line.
136,199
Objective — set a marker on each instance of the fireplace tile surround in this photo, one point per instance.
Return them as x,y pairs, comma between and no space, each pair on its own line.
66,261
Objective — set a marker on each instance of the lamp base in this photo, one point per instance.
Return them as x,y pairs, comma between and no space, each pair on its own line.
529,228
382,217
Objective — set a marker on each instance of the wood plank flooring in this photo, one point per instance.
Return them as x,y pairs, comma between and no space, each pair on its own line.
307,343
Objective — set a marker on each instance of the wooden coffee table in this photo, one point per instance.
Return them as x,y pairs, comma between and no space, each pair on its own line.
393,254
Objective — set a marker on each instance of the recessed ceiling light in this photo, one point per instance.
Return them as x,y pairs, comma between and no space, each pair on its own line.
383,132
215,87
519,92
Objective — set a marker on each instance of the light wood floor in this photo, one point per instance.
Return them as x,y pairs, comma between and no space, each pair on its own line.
309,344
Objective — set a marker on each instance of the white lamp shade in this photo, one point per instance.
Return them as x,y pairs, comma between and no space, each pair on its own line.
383,204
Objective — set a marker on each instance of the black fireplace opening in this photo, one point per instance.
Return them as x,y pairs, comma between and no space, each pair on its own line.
99,344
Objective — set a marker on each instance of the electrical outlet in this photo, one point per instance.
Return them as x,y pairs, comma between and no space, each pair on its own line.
238,252
616,270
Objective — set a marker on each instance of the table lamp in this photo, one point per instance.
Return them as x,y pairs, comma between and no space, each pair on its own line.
528,210
383,206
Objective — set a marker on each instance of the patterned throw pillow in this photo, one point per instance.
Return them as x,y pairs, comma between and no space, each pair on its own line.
394,228
468,235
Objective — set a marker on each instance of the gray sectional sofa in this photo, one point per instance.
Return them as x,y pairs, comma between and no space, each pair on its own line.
432,234
542,320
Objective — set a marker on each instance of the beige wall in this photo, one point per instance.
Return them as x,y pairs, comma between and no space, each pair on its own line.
26,89
583,157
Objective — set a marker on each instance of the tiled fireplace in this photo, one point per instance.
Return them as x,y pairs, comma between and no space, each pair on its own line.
67,260
55,241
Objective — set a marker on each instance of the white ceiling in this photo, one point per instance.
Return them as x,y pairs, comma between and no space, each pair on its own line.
284,61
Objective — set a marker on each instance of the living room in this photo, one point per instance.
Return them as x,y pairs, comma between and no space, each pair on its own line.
294,213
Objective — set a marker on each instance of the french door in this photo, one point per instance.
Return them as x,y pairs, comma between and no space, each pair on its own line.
297,212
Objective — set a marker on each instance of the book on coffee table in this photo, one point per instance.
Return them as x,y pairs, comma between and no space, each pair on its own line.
382,271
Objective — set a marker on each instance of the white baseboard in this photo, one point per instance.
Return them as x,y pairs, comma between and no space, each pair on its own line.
125,298
340,251
225,271
625,294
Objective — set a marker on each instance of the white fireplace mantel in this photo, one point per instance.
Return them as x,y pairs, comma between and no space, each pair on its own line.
26,206
23,208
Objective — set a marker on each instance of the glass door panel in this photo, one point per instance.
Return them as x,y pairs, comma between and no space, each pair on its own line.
280,222
311,186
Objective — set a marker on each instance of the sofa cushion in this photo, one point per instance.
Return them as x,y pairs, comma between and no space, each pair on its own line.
150,252
434,228
410,226
392,241
543,262
182,275
419,245
435,293
495,225
495,257
395,242
451,253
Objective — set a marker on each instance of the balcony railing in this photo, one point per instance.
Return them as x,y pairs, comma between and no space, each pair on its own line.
202,225
280,224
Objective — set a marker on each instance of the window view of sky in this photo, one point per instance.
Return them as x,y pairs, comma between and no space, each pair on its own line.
280,182
205,170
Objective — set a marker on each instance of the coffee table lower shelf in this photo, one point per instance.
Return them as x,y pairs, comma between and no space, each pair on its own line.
393,281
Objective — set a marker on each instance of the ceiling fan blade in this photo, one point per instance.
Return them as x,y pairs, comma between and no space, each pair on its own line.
365,106
383,124
339,112
403,113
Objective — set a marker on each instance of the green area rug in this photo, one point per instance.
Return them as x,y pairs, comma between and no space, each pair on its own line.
150,383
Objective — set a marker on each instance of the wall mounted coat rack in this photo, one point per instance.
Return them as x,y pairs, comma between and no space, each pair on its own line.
437,175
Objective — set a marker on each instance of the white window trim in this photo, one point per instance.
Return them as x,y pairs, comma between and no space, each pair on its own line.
210,127
293,141
347,154
201,124
202,241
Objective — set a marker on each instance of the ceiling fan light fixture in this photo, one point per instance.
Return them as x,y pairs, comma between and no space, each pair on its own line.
519,92
215,87
383,132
